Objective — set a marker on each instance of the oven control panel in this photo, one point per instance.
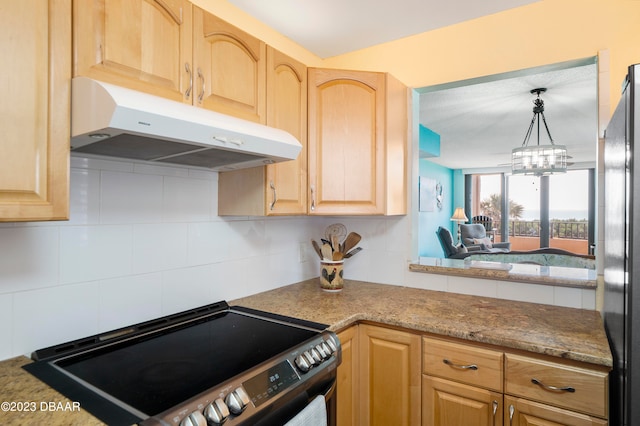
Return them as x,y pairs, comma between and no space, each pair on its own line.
246,394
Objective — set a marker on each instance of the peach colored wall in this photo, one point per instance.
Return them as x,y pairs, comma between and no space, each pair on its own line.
542,33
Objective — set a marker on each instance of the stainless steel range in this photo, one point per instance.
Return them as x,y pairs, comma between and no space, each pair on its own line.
211,365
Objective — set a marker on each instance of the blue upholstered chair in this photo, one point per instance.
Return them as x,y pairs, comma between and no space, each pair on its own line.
474,236
451,251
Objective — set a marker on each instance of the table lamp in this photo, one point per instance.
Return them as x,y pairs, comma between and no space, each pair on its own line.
459,217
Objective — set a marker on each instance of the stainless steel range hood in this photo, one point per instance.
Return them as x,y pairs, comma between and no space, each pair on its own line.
117,122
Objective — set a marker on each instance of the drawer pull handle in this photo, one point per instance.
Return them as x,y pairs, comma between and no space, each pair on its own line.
552,388
201,78
461,367
512,411
187,93
275,197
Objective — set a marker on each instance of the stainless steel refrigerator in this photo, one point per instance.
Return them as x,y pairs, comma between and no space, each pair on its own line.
621,310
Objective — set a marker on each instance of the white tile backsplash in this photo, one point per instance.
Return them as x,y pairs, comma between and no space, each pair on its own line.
6,326
187,288
54,315
187,200
95,252
145,240
569,297
524,292
130,198
29,257
129,300
158,247
472,286
84,197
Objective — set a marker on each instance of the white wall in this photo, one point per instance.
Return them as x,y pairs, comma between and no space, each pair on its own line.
145,241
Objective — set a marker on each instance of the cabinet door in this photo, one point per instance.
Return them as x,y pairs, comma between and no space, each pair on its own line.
447,403
522,412
287,110
35,40
346,142
347,382
229,68
276,189
389,376
140,44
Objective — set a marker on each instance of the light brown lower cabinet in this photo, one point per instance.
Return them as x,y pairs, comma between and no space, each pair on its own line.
447,403
522,412
389,374
347,380
395,377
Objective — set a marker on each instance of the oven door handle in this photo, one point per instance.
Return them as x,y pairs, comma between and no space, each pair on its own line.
329,393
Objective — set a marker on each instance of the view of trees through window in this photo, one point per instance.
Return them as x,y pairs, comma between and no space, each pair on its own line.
568,209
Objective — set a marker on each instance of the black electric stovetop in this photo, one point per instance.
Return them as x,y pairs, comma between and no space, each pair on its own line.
153,368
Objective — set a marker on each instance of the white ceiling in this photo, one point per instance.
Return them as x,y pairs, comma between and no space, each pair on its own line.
478,123
333,27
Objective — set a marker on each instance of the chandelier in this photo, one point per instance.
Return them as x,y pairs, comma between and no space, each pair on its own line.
538,159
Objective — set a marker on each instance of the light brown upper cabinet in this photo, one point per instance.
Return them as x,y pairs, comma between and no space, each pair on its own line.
276,189
171,49
357,143
229,68
140,44
35,40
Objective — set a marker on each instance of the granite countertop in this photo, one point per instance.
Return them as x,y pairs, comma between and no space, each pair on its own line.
576,334
528,273
569,333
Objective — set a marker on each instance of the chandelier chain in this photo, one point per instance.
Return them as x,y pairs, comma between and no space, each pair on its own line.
538,110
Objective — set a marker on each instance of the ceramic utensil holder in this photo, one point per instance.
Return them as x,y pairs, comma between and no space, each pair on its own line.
331,275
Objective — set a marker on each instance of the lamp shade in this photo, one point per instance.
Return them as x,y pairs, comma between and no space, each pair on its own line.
459,216
539,159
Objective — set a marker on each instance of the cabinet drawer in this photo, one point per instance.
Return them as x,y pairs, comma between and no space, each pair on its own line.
587,389
467,364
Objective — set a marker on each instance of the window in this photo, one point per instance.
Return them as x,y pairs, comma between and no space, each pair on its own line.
568,196
524,221
569,211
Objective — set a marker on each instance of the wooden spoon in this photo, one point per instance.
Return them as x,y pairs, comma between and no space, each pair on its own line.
316,247
351,241
335,244
327,253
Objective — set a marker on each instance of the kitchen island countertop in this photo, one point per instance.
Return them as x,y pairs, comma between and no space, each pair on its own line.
569,333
